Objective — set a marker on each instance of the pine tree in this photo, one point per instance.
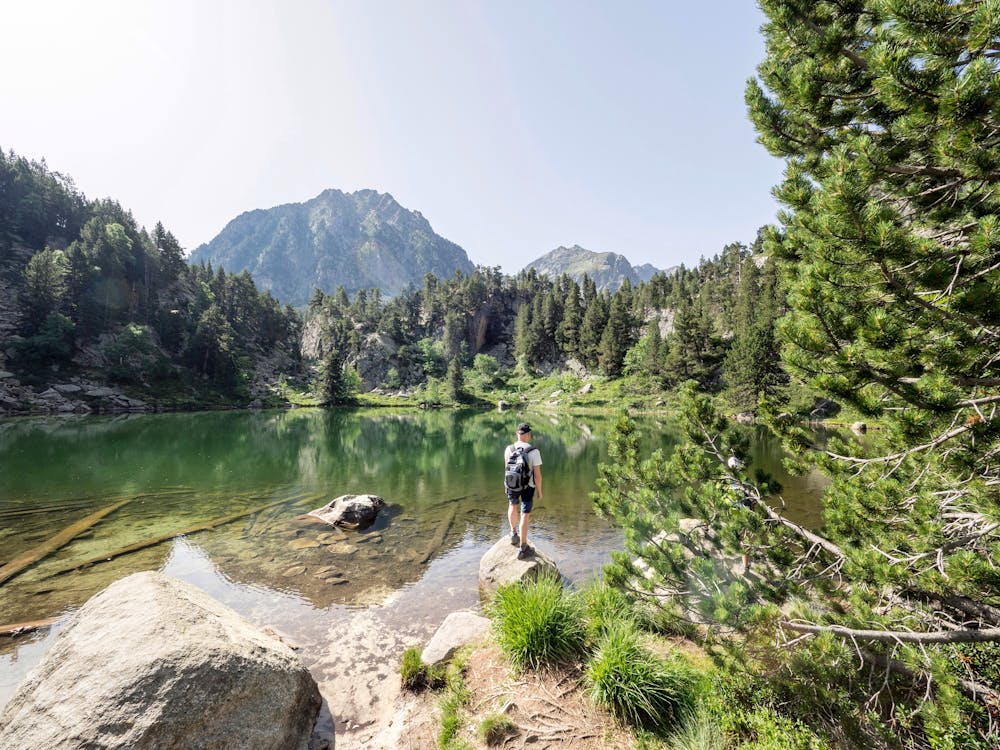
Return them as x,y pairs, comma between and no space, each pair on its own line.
568,330
752,368
454,382
617,335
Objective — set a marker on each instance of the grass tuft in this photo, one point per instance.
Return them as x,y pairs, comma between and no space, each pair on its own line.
604,605
636,686
415,675
537,624
697,731
495,728
456,696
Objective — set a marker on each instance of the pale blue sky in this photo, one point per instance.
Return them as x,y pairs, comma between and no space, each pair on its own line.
513,126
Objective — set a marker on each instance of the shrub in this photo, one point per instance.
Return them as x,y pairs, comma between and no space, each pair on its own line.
495,728
636,686
536,623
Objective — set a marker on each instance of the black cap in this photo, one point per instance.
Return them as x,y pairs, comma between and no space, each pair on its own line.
523,428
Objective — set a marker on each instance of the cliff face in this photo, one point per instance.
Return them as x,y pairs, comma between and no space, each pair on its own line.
355,240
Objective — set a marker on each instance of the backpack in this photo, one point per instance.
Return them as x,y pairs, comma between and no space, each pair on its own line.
517,473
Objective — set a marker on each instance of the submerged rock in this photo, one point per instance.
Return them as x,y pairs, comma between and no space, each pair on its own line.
500,566
351,511
153,662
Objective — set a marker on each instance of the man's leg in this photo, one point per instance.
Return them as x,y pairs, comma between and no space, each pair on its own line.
524,528
512,506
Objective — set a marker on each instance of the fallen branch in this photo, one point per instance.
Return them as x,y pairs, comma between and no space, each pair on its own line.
966,635
20,628
439,537
165,538
972,690
64,537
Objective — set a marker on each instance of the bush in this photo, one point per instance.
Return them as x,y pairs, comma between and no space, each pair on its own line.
536,623
636,686
495,728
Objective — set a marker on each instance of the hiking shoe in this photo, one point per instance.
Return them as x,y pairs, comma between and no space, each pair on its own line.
514,539
524,552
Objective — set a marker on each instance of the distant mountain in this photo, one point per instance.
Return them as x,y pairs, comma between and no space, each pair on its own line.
608,270
358,240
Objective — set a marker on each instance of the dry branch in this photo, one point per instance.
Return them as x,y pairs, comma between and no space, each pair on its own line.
64,537
19,628
166,538
900,636
439,537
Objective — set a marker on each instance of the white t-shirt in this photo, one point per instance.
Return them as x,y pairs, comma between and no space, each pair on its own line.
534,458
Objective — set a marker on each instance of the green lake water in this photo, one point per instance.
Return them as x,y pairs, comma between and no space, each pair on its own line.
440,472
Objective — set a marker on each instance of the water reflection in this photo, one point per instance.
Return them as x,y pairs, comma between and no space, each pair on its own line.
240,482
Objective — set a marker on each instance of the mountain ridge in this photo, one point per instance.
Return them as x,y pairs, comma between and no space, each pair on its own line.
608,270
357,240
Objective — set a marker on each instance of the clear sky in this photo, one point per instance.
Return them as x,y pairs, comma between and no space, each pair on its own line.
514,126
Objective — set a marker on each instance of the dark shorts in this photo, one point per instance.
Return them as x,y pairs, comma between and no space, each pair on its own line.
526,497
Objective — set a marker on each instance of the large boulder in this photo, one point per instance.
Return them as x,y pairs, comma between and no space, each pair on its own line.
457,630
500,566
350,511
153,662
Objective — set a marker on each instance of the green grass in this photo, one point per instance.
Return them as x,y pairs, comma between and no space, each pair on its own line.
537,624
495,728
636,686
698,731
604,605
415,675
456,696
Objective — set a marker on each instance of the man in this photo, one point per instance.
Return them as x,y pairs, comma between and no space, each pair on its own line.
523,499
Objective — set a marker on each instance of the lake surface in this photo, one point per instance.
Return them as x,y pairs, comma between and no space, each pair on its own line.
440,472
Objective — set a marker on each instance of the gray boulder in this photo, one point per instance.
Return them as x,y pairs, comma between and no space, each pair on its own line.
457,630
350,511
153,662
500,566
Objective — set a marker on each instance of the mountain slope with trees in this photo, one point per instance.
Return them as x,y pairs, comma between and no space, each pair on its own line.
93,295
360,240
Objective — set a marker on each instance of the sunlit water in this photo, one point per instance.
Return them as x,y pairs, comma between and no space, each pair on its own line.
440,472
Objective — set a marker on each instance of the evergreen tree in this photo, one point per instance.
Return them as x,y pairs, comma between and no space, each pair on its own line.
617,336
454,382
752,366
333,382
885,113
568,330
44,288
595,318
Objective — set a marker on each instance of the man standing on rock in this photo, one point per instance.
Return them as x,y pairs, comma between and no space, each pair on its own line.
523,478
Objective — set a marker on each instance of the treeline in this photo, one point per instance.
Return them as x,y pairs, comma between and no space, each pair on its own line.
713,324
94,287
94,291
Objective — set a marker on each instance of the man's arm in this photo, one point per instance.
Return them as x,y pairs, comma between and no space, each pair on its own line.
538,481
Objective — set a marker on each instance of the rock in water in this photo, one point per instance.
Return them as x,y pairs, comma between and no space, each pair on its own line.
500,566
351,511
153,662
